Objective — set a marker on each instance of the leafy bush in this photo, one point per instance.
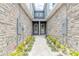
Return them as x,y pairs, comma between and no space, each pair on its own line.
74,53
57,44
51,39
62,46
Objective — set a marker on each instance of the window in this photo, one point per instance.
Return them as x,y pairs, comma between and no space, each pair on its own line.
39,14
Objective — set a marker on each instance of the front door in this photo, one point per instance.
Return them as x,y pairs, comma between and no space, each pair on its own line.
35,28
39,28
42,28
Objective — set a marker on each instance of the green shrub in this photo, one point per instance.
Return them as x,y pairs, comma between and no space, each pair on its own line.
62,46
30,47
51,39
18,54
57,44
12,54
74,53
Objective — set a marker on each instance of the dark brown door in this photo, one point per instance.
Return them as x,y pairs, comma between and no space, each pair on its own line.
42,28
35,28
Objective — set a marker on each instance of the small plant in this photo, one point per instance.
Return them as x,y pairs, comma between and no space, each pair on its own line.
57,44
73,53
62,46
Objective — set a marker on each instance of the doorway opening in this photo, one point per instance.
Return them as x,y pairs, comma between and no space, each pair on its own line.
39,27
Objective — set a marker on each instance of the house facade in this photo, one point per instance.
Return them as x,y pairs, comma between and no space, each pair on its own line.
17,21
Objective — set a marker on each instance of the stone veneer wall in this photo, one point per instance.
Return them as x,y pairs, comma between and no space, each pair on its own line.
73,25
13,17
64,25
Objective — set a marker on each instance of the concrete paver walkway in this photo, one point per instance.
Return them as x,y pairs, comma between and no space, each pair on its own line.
40,48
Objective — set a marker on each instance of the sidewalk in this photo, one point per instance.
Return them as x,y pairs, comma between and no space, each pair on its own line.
40,48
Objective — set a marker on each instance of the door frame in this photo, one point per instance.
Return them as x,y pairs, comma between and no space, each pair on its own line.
39,27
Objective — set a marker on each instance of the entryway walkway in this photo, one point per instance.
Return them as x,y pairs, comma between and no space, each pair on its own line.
40,48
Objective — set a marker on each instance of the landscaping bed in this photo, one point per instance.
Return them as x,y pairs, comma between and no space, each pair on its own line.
24,47
54,43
